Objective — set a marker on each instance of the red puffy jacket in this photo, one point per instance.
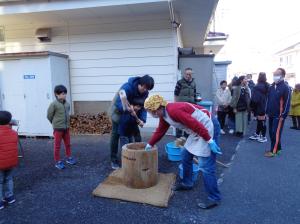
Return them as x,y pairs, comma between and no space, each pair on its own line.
8,148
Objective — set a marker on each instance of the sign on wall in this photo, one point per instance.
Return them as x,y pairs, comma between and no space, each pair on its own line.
29,76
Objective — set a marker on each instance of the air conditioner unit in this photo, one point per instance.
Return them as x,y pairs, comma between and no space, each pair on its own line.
43,34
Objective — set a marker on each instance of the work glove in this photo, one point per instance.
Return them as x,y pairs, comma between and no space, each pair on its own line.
214,147
148,147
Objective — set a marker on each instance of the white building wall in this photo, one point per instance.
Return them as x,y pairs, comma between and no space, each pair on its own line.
105,53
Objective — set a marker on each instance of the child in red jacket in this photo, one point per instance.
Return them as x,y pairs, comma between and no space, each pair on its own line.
8,159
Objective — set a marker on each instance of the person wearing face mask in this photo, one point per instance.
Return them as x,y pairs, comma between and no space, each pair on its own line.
278,106
185,91
197,122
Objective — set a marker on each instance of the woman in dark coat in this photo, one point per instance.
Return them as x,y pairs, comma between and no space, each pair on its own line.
240,102
258,106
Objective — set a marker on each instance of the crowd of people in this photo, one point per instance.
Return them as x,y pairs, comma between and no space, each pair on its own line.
235,103
270,103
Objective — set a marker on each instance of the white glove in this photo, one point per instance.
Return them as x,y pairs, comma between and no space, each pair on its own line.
148,147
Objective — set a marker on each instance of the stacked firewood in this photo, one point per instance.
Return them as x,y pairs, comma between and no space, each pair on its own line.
90,124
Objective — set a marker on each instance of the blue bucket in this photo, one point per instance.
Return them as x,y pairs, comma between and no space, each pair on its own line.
206,104
174,152
196,170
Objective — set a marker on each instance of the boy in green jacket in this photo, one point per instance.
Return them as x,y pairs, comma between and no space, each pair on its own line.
59,117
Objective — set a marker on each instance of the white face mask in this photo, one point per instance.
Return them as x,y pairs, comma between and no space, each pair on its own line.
276,78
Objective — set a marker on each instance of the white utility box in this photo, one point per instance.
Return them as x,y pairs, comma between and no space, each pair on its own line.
27,81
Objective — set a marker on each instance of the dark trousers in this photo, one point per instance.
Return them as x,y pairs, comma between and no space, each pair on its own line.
296,121
114,141
275,131
261,127
222,118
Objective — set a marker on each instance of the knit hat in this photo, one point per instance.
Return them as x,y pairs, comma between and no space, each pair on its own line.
5,117
154,102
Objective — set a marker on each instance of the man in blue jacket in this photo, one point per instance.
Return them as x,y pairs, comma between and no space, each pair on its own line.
135,88
278,106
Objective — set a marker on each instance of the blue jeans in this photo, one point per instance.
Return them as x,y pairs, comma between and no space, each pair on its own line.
6,183
217,129
208,168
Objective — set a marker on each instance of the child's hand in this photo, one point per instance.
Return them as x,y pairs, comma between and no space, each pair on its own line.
133,113
136,108
131,110
140,123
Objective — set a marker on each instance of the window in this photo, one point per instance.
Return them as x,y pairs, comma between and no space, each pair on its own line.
2,37
289,60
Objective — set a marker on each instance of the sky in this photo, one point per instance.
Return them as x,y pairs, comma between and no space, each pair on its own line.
257,29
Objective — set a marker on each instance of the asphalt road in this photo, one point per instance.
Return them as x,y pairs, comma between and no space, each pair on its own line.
258,189
47,195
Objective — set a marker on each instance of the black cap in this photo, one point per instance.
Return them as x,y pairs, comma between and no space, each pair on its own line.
5,117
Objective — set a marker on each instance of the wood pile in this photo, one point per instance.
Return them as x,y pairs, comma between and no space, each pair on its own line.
90,124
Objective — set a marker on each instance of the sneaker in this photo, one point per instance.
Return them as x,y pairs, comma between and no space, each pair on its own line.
222,132
231,131
181,187
1,204
71,161
208,204
60,165
10,200
262,139
269,154
114,165
254,137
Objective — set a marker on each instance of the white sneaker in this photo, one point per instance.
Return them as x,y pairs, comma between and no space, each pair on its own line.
231,131
222,132
262,139
254,137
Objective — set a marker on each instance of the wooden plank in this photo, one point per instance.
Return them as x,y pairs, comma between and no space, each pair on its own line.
60,48
144,34
29,41
162,69
119,26
25,33
123,62
120,19
122,53
127,44
108,96
104,88
119,79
